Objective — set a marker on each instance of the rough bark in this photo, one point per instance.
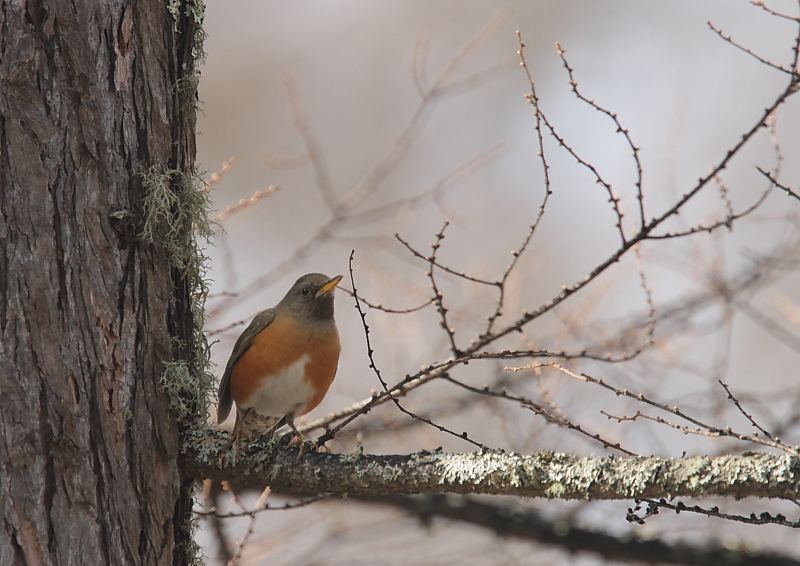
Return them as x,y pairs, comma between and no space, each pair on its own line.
88,452
545,474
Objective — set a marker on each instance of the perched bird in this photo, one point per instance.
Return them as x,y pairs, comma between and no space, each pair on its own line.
284,362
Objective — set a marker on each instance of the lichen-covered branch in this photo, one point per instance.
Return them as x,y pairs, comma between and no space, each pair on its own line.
544,474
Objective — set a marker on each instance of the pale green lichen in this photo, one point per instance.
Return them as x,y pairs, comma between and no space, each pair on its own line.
189,549
491,467
182,389
555,490
789,470
634,474
354,455
194,11
176,214
176,218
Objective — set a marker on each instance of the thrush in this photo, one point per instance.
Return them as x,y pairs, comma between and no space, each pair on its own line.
284,362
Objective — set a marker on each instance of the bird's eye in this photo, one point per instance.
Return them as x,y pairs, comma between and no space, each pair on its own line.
305,291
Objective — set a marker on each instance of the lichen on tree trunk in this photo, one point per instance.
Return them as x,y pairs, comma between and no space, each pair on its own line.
92,94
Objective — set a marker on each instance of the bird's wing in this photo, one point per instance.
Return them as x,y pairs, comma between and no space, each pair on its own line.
259,323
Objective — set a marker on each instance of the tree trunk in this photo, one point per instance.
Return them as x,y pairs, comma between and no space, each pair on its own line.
88,312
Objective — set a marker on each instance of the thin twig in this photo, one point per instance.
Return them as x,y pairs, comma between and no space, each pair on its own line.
382,308
729,39
216,176
753,519
702,428
260,509
541,411
738,405
781,186
374,367
431,259
438,297
763,5
573,83
244,203
533,99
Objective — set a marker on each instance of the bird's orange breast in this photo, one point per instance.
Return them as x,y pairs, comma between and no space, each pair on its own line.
280,345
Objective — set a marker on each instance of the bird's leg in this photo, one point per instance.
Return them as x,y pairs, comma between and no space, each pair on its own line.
235,438
274,428
236,435
298,438
290,422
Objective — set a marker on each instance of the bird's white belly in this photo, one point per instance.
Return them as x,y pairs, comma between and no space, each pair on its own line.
282,393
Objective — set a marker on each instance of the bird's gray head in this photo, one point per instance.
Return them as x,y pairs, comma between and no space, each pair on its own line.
311,297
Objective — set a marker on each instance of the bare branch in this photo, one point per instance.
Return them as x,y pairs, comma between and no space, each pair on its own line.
517,253
612,197
538,409
702,427
438,297
215,177
754,519
747,415
786,189
431,259
728,39
527,524
569,290
620,129
763,5
373,366
259,509
313,151
244,203
382,308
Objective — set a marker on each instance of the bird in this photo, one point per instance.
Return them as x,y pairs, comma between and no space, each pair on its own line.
283,363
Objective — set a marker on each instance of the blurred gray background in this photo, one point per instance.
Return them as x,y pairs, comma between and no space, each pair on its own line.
345,71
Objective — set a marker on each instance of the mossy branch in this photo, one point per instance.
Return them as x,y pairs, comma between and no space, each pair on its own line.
545,474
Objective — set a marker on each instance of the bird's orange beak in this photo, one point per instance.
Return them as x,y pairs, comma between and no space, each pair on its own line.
328,287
